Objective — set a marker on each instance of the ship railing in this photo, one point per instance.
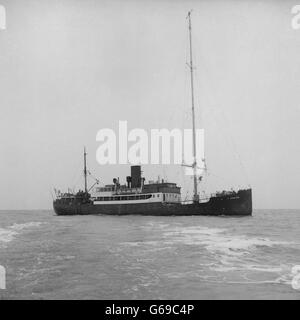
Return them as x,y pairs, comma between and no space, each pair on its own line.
201,199
224,193
204,199
65,196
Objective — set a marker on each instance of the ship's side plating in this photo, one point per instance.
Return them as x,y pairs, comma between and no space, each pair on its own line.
238,204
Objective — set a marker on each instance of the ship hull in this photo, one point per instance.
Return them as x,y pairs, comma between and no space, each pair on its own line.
228,205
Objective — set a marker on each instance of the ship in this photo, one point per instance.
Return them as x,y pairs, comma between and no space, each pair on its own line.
155,198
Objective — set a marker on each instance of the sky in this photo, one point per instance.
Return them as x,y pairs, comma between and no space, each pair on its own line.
70,68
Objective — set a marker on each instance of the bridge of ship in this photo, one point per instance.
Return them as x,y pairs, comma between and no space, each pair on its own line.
152,192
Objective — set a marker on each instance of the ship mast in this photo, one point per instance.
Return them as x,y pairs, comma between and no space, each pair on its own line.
85,171
196,197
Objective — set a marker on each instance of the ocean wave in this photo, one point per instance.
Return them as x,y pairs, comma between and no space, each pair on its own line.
219,254
219,241
254,275
237,258
9,233
229,248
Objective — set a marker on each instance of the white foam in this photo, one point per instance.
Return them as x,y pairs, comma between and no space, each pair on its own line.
21,226
9,233
229,257
234,255
218,241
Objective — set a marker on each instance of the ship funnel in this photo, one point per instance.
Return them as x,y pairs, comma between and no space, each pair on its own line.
136,175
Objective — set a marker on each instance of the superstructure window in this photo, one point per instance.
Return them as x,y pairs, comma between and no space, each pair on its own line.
122,198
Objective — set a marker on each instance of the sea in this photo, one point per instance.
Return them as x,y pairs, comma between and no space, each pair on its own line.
45,256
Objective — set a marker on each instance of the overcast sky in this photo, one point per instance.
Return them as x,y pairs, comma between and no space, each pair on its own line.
71,67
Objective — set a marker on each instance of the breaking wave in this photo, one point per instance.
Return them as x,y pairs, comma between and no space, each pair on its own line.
9,233
229,257
218,241
235,255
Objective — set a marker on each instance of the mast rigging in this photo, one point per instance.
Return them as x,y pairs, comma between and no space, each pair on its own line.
85,171
196,196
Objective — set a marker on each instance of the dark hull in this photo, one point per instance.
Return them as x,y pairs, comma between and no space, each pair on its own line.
229,205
